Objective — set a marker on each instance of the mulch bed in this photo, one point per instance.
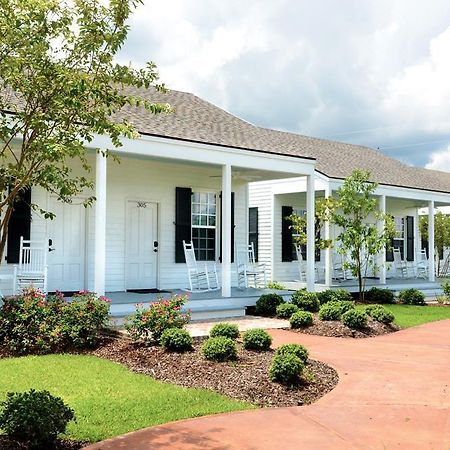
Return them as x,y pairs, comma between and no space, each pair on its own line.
335,328
7,443
245,379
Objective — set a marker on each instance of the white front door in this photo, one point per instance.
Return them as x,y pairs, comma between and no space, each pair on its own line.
141,245
67,238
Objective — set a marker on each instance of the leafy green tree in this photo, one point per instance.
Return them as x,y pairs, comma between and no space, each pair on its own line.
323,210
441,233
357,214
59,86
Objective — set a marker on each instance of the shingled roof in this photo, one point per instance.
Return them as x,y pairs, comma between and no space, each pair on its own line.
197,120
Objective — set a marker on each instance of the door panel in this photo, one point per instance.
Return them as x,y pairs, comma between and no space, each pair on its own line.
141,259
66,263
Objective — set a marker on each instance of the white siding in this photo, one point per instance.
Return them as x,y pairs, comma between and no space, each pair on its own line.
143,179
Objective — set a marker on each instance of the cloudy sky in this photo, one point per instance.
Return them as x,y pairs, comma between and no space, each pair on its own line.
371,72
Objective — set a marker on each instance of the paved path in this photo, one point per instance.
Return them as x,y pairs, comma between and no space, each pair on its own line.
393,393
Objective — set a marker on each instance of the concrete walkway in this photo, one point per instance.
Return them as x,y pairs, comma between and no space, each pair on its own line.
394,392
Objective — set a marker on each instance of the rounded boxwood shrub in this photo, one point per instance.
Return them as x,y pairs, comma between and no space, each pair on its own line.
219,348
380,314
257,339
266,305
35,417
230,330
285,310
380,296
307,301
176,340
293,349
333,295
301,319
286,369
412,297
355,318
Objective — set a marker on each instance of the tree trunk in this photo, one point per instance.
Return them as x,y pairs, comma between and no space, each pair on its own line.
4,231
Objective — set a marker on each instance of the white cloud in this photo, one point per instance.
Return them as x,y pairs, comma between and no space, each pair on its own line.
440,160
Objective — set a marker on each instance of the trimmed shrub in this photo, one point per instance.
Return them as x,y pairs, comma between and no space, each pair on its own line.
307,301
286,369
176,340
412,297
219,349
333,295
301,319
148,324
34,417
380,296
267,304
293,349
333,310
257,339
276,285
285,310
355,318
34,323
380,314
230,330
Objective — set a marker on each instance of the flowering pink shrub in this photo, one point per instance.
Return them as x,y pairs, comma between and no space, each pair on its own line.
148,324
34,323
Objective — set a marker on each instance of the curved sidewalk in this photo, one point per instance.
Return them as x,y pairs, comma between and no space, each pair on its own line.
393,392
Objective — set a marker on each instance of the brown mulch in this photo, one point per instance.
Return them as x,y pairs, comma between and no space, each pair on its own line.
245,379
335,328
7,443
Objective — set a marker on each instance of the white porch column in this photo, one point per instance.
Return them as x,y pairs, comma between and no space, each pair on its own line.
226,230
327,235
100,224
417,240
431,255
310,231
382,255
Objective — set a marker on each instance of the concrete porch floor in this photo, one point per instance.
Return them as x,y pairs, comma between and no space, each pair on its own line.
203,305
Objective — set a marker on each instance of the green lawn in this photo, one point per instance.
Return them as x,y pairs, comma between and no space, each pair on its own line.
108,399
409,316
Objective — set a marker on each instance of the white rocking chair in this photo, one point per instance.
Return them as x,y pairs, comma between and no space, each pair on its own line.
302,269
399,265
202,278
32,268
248,269
422,265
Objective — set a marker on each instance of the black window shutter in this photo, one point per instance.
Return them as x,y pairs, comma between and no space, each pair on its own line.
410,238
19,225
253,229
390,251
286,234
232,227
183,207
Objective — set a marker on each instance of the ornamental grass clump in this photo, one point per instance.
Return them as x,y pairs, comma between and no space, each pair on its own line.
35,418
355,319
148,324
306,301
286,369
301,319
293,349
285,310
257,339
219,349
412,297
230,330
176,340
267,304
35,323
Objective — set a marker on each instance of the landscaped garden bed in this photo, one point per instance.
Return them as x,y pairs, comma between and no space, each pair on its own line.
245,378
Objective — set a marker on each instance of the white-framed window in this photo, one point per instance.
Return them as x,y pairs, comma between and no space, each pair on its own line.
300,213
204,225
399,237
